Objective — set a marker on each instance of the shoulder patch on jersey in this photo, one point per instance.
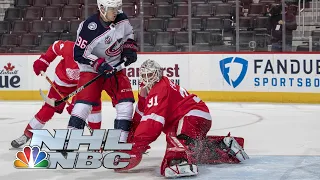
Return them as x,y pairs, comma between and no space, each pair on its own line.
92,26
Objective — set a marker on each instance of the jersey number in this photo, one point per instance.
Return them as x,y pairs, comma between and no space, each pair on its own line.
153,101
183,92
81,42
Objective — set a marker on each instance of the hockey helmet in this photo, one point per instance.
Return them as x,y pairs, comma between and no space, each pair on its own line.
106,5
150,72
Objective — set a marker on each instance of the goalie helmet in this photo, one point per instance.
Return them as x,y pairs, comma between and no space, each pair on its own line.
150,73
106,5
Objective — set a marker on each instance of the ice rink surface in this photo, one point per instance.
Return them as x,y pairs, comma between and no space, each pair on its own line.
282,140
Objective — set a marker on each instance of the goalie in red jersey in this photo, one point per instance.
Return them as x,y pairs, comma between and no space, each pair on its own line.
185,119
65,80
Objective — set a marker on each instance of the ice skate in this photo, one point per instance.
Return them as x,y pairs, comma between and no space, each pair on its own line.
180,168
235,149
19,141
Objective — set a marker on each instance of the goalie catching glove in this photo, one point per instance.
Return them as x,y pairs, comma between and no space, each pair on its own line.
129,52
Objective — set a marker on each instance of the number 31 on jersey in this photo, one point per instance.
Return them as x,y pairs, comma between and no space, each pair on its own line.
153,101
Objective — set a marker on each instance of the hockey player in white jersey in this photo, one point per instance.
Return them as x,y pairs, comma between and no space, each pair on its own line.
103,40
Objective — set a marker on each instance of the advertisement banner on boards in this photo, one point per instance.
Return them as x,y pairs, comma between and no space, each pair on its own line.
269,72
13,73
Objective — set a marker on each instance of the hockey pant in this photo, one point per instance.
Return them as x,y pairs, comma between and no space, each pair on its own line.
119,90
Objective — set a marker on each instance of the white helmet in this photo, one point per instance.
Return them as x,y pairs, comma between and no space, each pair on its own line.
103,5
150,72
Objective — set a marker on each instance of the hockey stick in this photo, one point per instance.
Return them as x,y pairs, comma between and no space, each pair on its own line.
54,103
55,88
52,85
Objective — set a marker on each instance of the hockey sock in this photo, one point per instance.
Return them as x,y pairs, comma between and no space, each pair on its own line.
33,124
123,120
124,125
39,120
94,120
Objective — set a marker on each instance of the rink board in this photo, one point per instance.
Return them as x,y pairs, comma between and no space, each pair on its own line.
211,96
241,77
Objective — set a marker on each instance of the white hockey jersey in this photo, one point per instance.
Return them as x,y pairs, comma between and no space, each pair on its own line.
98,40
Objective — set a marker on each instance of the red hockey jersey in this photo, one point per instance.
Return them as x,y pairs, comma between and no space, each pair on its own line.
67,71
161,110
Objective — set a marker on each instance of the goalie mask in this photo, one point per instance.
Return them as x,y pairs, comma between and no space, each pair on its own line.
150,73
109,9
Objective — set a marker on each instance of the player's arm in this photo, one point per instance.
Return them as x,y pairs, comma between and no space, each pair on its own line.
43,62
152,121
130,47
150,127
87,38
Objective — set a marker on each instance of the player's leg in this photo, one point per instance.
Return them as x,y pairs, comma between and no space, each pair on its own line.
88,97
223,149
207,150
181,157
122,97
42,117
94,118
177,161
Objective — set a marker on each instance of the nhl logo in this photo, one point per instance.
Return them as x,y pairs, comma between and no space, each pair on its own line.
108,40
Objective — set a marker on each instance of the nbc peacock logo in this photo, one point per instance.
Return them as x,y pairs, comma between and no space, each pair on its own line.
31,157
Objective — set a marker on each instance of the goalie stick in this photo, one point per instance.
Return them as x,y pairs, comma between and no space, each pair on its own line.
54,103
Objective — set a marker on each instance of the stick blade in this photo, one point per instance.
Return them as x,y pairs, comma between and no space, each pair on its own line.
49,101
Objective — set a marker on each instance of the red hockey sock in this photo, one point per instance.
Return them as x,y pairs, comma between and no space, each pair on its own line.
94,120
94,125
39,120
33,124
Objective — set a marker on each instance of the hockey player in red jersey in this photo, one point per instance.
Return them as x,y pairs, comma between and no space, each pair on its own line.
185,119
65,80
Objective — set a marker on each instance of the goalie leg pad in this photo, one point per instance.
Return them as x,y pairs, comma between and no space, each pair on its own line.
177,161
222,149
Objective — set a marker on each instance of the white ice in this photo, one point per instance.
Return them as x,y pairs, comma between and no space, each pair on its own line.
282,141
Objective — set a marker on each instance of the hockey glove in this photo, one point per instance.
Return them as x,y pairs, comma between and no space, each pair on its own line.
40,64
101,66
135,159
129,53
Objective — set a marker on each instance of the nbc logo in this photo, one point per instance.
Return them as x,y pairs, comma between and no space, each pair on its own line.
31,157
